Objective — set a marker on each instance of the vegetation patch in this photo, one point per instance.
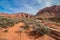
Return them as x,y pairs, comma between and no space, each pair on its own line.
6,30
6,22
37,28
55,19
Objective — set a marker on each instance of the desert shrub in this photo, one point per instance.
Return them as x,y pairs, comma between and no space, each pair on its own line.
40,18
5,22
38,28
6,30
25,27
21,20
55,19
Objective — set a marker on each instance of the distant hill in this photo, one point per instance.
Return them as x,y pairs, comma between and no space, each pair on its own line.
48,12
16,15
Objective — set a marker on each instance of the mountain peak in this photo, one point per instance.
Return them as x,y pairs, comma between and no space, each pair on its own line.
50,11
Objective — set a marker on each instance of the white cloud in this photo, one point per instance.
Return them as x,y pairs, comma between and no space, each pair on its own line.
30,9
28,6
26,9
39,1
48,3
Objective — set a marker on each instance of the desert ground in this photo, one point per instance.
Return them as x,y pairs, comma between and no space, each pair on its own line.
13,33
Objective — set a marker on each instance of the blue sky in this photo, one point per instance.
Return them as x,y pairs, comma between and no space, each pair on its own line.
27,6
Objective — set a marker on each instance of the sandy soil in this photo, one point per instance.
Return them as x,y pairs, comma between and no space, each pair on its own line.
12,35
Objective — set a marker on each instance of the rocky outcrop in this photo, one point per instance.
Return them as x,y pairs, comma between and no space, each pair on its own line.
49,12
23,15
16,15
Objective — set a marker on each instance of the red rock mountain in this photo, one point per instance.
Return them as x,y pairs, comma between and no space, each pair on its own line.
16,15
49,12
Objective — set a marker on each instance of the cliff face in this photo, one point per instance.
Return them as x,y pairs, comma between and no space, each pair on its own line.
49,12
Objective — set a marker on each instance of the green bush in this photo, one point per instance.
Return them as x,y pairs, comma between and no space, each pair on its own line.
6,30
38,28
55,19
5,22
